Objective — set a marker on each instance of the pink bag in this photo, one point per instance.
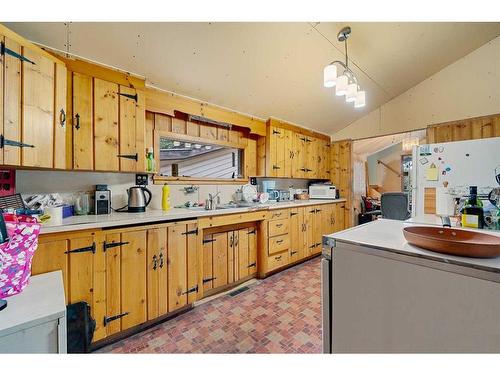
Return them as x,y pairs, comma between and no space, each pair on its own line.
16,256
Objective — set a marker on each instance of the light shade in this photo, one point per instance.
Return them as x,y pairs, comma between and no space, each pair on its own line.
342,83
351,92
360,99
408,143
329,75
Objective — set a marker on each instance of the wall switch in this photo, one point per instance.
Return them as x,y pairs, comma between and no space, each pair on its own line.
253,180
141,179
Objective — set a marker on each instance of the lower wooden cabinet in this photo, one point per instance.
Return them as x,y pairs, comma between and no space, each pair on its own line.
228,257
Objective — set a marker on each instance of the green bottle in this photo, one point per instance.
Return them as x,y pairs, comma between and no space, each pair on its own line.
472,212
150,160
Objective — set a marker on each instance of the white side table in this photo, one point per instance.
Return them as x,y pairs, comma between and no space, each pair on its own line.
35,320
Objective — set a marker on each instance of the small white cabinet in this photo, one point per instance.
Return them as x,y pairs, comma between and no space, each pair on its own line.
35,320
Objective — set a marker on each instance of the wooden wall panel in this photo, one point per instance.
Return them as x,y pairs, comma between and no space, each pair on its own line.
38,110
106,131
462,130
12,104
140,133
113,284
341,162
128,130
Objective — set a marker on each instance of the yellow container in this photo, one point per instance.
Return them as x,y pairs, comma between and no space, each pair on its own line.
165,198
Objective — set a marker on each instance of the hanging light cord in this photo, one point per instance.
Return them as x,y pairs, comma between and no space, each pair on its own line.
314,26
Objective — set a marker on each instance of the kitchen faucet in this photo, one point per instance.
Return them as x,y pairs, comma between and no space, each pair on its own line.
210,202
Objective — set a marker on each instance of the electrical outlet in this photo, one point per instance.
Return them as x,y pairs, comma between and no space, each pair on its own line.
253,180
141,179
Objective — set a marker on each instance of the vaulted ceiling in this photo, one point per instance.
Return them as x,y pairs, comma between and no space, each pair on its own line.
270,69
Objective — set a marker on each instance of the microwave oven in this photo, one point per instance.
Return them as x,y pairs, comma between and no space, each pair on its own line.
322,192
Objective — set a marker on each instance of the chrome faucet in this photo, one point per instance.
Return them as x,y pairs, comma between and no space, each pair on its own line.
210,203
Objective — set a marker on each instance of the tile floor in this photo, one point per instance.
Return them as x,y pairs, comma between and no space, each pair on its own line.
281,314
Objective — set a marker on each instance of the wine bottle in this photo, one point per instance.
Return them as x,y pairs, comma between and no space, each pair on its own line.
472,212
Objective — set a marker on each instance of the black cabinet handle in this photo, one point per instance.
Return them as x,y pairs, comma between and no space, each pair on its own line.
62,117
82,249
131,156
115,317
191,290
109,245
77,121
7,142
277,258
279,225
155,262
161,260
279,241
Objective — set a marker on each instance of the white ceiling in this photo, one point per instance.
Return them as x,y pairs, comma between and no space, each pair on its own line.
271,69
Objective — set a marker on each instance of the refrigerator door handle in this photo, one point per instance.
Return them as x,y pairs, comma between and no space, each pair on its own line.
326,291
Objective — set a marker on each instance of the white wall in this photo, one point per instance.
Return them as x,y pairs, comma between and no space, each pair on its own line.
31,182
470,87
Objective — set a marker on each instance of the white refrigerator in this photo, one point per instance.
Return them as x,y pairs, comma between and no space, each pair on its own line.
460,164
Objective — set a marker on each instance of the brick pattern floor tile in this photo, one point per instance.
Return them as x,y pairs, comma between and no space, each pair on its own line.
281,314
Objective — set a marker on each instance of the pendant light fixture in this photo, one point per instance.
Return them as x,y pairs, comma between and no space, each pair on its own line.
347,83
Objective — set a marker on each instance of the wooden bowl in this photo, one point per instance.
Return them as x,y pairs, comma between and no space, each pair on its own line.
454,241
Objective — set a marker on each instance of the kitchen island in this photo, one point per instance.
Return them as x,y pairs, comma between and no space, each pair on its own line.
387,296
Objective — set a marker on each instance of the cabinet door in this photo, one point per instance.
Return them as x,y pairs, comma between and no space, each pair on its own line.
208,274
105,125
60,125
51,256
327,214
288,153
310,215
252,251
83,134
298,156
339,217
38,110
128,130
277,150
157,292
192,263
113,284
133,278
232,257
81,270
12,103
296,233
243,248
312,157
220,259
177,267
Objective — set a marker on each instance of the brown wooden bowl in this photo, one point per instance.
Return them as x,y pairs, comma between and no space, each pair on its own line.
454,241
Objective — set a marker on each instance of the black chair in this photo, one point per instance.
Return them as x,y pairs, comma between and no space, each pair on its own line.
366,216
395,206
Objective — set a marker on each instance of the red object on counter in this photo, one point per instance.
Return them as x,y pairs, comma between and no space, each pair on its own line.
7,182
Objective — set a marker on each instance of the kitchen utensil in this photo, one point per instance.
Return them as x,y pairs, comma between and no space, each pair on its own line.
263,197
14,201
454,241
301,196
102,201
249,193
55,213
137,201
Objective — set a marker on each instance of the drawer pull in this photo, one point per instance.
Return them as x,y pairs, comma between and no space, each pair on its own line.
277,258
293,252
279,225
279,241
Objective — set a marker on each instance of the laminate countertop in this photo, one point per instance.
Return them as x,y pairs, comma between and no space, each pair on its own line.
385,235
117,219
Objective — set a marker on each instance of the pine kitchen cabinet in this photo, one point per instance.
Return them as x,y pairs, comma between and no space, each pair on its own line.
33,97
229,257
109,125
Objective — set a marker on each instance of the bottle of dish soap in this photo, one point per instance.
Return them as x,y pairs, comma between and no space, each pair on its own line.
165,198
150,160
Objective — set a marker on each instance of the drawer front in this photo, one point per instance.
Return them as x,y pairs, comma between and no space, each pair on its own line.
277,260
279,243
278,214
278,227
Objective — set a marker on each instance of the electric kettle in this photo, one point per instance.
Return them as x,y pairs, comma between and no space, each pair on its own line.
137,201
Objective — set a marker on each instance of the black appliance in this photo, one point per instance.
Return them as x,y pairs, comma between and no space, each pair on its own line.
102,200
80,327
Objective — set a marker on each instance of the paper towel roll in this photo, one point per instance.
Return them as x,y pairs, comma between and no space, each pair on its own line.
445,203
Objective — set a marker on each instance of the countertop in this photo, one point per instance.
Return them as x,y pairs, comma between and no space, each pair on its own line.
41,301
387,235
116,219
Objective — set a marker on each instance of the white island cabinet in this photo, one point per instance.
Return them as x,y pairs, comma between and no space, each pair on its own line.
388,296
35,320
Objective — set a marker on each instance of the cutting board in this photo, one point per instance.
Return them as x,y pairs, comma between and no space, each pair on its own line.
429,200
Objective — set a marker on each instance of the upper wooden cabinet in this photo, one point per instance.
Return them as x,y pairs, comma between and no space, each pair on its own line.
296,153
462,130
33,104
108,125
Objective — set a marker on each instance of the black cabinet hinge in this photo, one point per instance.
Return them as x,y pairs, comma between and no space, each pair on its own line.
6,51
194,231
293,213
209,240
82,249
312,246
131,156
317,210
276,167
253,231
130,96
209,279
191,290
318,244
293,252
7,142
252,265
276,132
108,319
109,245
